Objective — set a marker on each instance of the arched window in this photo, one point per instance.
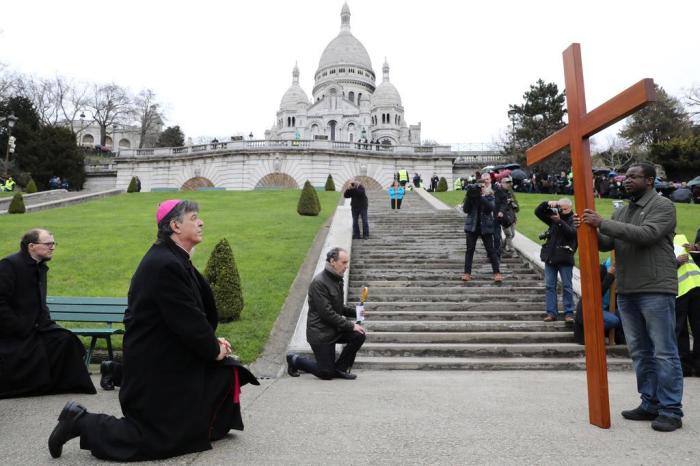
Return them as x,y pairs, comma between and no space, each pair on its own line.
314,129
124,143
359,96
88,140
383,118
289,122
351,96
294,121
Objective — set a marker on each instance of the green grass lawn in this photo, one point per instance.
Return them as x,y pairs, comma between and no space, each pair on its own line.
101,243
687,215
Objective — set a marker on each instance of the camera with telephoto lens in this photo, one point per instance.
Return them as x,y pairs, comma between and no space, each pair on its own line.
473,189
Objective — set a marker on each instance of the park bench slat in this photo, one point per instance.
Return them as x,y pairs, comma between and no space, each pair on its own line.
93,310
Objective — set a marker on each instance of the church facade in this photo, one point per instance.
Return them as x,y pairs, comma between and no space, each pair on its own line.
346,103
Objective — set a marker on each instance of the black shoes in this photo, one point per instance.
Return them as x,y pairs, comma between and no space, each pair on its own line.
666,423
291,370
639,414
66,428
107,375
344,375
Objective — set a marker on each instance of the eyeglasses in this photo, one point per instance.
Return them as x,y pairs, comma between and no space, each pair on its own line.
51,244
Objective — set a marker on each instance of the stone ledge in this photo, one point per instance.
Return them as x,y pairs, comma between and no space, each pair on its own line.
69,201
432,200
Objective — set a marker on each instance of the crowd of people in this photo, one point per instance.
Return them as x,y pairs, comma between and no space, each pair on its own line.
55,182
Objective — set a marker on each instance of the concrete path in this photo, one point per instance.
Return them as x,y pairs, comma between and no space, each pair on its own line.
401,417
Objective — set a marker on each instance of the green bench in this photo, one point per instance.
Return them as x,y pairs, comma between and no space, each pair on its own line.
95,310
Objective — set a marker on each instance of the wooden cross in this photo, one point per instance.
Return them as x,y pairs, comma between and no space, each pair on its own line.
581,126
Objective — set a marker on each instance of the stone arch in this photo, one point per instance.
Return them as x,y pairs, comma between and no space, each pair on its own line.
196,182
277,180
124,143
368,182
88,140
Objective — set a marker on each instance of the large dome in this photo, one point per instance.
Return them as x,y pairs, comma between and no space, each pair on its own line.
345,49
386,95
295,95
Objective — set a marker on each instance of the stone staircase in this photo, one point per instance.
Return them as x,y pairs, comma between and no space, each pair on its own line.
422,316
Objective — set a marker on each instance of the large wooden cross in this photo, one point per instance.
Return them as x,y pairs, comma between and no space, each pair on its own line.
581,126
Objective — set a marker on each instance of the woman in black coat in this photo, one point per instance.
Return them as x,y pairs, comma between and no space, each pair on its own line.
479,205
179,390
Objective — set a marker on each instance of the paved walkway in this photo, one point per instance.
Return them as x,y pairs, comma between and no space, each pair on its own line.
401,417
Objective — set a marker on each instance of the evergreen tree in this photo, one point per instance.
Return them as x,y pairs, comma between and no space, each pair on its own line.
17,205
308,201
54,152
30,188
330,185
133,185
442,185
222,274
171,136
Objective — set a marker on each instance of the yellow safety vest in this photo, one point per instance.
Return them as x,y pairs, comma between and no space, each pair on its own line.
10,185
403,175
688,273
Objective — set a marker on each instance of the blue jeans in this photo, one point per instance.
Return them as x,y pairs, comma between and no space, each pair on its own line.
649,321
610,320
566,273
356,213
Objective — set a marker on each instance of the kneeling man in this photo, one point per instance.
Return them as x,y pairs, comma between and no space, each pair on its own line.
327,324
37,356
179,391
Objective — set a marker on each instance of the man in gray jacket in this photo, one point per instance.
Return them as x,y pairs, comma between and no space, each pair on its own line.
327,324
641,233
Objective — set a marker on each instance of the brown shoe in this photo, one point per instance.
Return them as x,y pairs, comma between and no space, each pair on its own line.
568,318
498,278
550,318
466,277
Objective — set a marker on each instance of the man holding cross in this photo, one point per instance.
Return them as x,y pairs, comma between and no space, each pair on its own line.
641,233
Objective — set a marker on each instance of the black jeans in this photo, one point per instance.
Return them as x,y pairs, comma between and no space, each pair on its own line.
396,203
356,213
488,241
325,365
688,309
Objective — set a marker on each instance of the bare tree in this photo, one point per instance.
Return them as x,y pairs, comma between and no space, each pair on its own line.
42,94
617,155
72,98
692,101
110,104
148,112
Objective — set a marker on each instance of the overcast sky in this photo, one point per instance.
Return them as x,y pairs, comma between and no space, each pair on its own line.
221,67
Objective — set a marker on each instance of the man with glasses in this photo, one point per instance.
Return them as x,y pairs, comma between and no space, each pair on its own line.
37,356
641,233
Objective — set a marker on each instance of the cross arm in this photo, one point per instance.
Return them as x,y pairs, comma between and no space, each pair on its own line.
622,105
552,144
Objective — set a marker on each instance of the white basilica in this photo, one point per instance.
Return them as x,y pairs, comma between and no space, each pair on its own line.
347,104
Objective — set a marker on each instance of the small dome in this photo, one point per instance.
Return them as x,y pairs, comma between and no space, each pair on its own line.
386,94
295,95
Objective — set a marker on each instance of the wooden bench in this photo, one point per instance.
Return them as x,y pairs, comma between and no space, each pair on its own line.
107,311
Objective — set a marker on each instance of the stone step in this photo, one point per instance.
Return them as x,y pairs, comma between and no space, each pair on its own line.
482,364
450,311
529,281
488,289
468,337
522,326
506,298
483,350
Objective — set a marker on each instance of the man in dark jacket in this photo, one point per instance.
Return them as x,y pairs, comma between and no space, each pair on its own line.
506,208
479,205
327,324
641,233
179,391
37,356
558,255
358,207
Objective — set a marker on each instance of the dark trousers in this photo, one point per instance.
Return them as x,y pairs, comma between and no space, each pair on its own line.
356,213
325,365
396,203
488,241
497,238
688,310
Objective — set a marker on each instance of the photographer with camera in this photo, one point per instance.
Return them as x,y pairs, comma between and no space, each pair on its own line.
506,207
358,207
479,205
558,255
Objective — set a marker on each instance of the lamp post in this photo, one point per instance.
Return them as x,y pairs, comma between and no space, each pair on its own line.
250,136
511,113
11,120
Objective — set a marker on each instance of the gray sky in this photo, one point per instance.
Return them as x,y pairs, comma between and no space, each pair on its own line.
221,67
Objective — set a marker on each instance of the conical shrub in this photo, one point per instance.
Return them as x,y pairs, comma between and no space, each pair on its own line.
442,185
222,274
133,185
31,187
308,201
17,205
330,185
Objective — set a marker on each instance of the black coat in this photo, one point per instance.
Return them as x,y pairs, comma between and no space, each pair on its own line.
326,317
481,207
358,197
169,345
560,245
31,344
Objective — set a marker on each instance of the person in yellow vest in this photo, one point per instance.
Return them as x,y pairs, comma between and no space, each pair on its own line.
10,184
687,308
403,177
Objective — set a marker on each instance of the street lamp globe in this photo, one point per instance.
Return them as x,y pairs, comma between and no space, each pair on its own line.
11,120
